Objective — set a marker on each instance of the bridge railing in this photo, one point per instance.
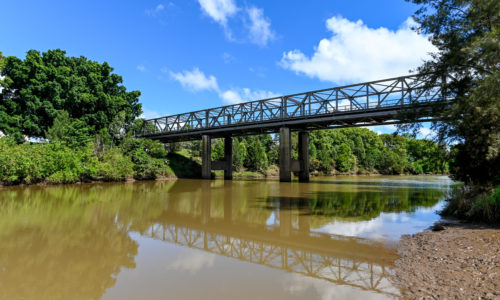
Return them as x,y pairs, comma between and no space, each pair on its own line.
381,94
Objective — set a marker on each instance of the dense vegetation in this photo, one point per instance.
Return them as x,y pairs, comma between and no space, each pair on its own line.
43,87
84,117
352,150
466,34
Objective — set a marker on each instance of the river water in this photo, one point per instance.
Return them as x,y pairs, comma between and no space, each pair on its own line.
332,238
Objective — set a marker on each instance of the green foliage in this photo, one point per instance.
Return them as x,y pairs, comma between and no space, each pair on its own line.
345,160
361,150
56,162
115,166
239,154
74,132
256,158
218,150
466,35
475,206
40,86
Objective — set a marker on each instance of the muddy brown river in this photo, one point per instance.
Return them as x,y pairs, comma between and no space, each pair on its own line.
332,238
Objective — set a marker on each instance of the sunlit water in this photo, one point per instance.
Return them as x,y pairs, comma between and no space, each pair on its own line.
333,238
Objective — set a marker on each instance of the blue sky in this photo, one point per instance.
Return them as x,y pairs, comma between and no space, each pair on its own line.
194,54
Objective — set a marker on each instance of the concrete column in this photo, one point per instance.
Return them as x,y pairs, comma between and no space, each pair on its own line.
206,157
285,155
228,158
304,156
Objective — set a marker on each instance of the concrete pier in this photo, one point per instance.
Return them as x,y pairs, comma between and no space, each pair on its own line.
287,165
228,158
207,165
206,157
285,148
304,156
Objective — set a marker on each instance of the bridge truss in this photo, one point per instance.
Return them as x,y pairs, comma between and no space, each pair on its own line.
333,267
370,103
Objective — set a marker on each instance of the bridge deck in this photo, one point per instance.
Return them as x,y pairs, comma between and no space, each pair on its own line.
363,104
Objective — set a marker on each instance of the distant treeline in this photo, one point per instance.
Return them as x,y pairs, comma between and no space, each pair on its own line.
351,150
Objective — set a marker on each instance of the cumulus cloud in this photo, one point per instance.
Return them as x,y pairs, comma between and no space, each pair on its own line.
141,68
260,32
239,95
195,80
258,26
219,10
356,52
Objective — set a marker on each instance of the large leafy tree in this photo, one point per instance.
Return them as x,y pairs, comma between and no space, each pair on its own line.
467,36
37,88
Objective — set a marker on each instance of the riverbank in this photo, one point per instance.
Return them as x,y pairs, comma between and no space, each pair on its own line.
460,262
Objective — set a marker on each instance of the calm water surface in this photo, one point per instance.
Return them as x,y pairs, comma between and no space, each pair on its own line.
333,238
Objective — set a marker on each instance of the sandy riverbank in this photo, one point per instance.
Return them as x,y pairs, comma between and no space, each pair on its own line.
460,262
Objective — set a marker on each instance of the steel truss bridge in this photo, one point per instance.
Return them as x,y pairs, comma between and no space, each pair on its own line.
341,260
364,104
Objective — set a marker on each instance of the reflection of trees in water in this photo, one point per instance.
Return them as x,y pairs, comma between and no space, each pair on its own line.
67,242
359,205
369,204
71,241
76,257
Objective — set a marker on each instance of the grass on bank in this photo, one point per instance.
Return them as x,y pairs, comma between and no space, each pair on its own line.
477,206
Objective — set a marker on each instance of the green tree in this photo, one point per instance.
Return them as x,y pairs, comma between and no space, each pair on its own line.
256,158
71,131
345,160
218,150
466,34
41,85
239,154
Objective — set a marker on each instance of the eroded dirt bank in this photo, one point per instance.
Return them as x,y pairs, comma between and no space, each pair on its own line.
460,262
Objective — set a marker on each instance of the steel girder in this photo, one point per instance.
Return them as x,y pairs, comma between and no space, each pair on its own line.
370,103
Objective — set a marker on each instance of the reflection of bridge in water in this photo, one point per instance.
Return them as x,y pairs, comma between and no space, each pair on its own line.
289,246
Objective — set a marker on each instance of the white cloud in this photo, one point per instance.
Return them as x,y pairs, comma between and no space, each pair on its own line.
260,32
427,132
219,10
156,10
300,286
227,58
141,68
150,114
196,80
192,261
238,95
258,26
356,52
